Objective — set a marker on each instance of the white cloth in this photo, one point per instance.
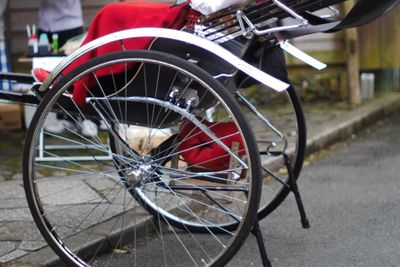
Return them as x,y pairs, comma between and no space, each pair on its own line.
60,15
207,7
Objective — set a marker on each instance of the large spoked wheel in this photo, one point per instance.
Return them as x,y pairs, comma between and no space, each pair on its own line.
182,154
279,127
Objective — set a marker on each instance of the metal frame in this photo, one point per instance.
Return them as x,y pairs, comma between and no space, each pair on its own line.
253,29
42,147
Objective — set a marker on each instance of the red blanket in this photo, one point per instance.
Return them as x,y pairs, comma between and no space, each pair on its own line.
122,16
199,150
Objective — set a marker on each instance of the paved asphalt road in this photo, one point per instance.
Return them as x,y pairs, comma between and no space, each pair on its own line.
352,196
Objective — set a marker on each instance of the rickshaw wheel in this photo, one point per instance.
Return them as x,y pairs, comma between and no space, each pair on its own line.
161,113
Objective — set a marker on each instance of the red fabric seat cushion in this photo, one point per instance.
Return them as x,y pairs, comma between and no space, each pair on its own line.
122,16
198,149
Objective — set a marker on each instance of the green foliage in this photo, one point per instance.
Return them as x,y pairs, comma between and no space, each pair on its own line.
317,88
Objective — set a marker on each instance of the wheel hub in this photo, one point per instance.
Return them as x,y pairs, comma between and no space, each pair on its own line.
139,175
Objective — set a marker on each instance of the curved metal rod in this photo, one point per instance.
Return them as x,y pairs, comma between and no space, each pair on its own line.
182,36
177,109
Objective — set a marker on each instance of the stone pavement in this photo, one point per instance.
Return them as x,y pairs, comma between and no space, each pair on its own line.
21,243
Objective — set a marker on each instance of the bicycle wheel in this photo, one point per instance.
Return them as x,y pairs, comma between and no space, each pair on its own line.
86,198
279,127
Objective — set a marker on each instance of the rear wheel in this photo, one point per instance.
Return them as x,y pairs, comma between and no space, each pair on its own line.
182,154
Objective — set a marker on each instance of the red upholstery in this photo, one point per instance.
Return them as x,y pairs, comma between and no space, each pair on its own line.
121,16
198,149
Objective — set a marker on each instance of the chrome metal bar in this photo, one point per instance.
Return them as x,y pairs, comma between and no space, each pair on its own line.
73,158
42,147
228,75
242,19
239,32
41,144
289,10
263,119
83,147
277,29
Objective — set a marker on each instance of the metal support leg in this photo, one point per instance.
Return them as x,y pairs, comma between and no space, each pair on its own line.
292,185
256,231
294,188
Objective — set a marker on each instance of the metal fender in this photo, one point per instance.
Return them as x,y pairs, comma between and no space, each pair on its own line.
203,43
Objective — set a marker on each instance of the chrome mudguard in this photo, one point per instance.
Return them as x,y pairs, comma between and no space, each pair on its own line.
203,43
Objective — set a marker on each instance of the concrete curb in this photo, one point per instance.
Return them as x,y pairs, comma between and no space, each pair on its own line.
351,122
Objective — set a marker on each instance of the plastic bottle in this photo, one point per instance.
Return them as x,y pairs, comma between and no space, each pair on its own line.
33,45
55,43
43,44
367,86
